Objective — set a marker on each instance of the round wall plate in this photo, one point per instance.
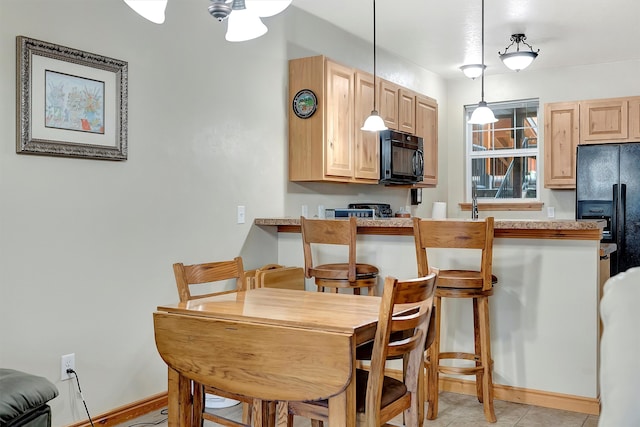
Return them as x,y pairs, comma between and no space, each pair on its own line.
305,103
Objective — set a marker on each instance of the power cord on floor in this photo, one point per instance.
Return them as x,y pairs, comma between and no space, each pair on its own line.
71,371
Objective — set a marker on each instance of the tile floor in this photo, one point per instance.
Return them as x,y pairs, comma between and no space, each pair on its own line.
456,410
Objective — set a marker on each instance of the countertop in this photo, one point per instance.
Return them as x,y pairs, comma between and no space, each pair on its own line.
504,228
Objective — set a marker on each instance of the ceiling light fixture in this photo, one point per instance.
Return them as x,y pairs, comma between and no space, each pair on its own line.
473,70
374,122
520,59
153,10
483,114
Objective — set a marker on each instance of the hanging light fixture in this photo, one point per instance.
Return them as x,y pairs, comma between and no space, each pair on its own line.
374,122
473,70
483,114
520,59
153,10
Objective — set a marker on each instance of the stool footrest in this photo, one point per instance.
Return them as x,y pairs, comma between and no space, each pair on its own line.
460,370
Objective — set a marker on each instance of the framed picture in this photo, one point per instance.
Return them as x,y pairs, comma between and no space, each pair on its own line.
70,103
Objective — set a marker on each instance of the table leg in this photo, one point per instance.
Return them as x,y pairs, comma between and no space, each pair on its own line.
179,396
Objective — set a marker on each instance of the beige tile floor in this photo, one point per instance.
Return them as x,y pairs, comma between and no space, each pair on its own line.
456,410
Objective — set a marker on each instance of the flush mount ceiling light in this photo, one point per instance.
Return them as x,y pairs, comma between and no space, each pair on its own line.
483,114
153,10
473,70
374,122
520,59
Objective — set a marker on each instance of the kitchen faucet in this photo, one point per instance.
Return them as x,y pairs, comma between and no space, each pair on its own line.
474,201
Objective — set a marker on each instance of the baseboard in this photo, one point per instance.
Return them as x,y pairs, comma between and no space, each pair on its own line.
543,399
127,412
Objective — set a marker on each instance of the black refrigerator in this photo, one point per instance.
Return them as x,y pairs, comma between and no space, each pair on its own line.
608,188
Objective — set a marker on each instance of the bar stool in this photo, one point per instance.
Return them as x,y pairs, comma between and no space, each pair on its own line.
350,275
476,285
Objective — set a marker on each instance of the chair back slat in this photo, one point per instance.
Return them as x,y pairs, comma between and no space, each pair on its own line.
187,275
420,292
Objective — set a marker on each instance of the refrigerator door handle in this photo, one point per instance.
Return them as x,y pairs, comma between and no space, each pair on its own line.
615,214
622,217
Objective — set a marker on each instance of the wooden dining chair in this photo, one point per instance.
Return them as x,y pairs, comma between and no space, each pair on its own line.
188,277
379,398
475,284
350,274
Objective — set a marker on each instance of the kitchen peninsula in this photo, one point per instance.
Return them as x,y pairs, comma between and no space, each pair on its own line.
544,312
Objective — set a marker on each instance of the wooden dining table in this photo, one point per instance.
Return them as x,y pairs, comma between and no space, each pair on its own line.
267,343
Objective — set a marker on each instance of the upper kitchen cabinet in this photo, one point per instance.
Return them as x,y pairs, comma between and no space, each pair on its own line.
561,136
596,121
397,107
407,111
322,132
367,144
388,109
426,110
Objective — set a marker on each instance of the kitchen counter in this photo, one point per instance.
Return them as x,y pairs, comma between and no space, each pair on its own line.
504,228
548,293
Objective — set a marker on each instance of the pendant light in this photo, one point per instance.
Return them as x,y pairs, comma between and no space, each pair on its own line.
520,59
374,122
153,10
483,114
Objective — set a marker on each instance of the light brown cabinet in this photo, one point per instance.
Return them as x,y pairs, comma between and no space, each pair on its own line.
426,110
388,109
328,145
597,121
561,136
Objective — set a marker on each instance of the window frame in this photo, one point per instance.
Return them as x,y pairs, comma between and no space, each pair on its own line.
470,154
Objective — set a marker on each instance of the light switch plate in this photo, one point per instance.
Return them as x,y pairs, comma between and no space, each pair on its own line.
551,212
240,214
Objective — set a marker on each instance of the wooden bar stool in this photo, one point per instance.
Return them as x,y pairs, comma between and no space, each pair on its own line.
350,275
476,285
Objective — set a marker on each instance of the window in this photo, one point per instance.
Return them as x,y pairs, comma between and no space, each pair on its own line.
502,157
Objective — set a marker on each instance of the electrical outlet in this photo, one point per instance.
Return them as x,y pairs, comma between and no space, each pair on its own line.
240,214
551,212
68,361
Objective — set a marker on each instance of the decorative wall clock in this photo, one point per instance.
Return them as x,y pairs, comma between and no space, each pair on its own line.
305,103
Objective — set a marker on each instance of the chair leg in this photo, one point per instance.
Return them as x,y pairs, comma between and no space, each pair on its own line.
485,357
434,361
478,349
247,413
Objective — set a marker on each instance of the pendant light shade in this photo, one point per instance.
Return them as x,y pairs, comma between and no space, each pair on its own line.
473,70
483,114
374,122
153,10
519,59
266,8
244,24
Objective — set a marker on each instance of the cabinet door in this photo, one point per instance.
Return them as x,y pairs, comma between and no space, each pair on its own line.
367,144
407,111
561,136
427,128
339,120
603,121
634,118
389,103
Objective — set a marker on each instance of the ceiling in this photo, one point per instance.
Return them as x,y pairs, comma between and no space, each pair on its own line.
440,36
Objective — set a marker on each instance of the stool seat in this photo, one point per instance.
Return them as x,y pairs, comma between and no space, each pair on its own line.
463,279
343,275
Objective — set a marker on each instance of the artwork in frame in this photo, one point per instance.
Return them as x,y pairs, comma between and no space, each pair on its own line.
70,103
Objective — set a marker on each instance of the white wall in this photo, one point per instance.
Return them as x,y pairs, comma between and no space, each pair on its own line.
86,246
568,84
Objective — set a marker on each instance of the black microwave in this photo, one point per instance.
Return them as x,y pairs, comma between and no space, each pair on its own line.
401,158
